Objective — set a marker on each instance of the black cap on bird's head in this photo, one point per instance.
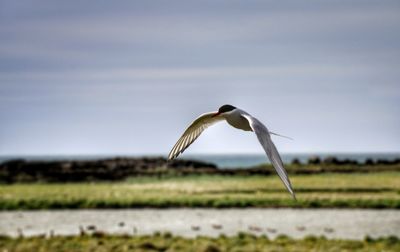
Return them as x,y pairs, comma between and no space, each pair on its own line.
226,108
223,109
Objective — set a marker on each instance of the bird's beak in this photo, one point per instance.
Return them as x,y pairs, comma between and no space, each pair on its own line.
216,114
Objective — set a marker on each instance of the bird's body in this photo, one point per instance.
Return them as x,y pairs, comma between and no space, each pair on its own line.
239,119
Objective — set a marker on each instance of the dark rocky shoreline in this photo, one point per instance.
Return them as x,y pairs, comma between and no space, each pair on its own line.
117,169
92,170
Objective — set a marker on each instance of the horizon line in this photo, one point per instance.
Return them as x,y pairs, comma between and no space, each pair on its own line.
200,153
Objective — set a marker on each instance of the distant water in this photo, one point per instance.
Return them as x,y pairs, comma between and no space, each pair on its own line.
223,160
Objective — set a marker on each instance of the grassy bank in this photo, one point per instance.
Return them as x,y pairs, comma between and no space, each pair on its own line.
355,190
166,242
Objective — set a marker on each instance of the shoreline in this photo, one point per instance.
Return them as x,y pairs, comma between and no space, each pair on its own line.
120,169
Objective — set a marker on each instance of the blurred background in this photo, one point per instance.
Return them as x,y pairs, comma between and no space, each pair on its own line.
94,94
127,77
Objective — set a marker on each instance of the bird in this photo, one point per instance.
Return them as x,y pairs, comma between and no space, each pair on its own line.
238,119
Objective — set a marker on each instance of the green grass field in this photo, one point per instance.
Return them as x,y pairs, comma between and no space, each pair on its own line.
166,242
355,190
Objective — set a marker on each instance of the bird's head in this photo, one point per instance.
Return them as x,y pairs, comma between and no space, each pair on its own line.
224,109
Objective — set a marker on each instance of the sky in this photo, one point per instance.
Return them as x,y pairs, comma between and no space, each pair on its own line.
127,77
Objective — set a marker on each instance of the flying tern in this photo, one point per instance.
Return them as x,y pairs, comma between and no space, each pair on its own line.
241,120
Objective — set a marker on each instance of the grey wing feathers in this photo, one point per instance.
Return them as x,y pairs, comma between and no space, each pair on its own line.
265,140
193,132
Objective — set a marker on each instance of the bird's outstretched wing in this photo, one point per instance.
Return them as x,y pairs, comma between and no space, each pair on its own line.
193,132
264,137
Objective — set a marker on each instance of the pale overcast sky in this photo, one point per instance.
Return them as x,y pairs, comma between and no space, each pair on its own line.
126,77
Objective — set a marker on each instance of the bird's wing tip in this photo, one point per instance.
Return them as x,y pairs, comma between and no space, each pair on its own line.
171,156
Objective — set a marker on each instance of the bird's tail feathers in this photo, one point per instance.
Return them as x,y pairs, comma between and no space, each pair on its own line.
276,134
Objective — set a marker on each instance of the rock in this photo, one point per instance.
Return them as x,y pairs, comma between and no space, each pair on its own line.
216,226
301,228
255,228
330,160
314,160
195,228
91,227
296,161
93,170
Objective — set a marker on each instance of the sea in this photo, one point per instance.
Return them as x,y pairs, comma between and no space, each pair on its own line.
221,160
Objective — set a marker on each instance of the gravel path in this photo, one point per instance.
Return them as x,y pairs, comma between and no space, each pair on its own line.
297,223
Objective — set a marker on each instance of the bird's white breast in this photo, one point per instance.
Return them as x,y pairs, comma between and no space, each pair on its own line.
236,120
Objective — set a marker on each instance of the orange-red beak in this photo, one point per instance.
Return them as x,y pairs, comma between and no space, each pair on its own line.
216,114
